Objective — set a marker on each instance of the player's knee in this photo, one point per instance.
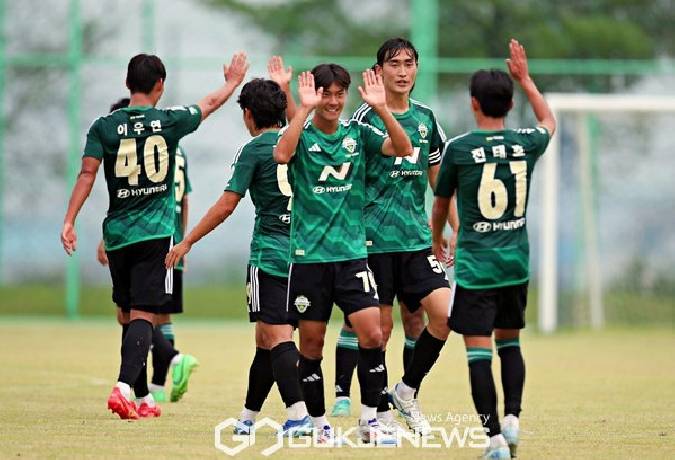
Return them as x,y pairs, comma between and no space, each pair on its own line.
371,338
439,328
386,332
311,347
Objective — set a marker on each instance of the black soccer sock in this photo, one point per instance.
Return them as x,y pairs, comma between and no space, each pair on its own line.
383,406
162,354
135,348
285,370
371,375
483,388
346,358
513,374
311,382
141,385
427,349
260,380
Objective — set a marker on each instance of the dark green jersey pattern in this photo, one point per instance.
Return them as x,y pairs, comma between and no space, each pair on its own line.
138,148
254,169
395,217
491,171
183,187
328,175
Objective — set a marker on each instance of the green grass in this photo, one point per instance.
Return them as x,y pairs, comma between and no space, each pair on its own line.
592,395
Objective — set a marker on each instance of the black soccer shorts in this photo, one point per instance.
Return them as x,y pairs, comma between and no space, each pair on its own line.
313,288
480,311
175,305
408,276
140,280
266,297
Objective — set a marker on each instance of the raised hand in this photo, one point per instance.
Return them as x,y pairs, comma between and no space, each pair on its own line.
277,73
69,238
372,91
236,71
517,61
309,96
176,254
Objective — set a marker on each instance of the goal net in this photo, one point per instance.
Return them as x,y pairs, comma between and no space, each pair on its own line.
605,207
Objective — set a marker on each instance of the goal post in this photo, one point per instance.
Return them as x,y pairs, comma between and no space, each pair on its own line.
583,107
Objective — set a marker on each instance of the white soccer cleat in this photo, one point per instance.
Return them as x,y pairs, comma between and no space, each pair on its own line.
372,432
511,431
411,413
498,449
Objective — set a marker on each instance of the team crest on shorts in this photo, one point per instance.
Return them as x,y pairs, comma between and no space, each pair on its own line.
423,130
301,303
349,144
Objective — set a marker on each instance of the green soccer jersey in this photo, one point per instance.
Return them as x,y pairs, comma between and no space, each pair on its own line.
182,188
254,169
138,148
395,216
491,172
328,175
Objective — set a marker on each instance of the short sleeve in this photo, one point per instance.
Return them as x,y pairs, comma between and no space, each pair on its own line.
242,171
372,138
534,140
447,176
436,142
94,145
185,119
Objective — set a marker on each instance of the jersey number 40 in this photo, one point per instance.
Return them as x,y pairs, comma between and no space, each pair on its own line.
156,167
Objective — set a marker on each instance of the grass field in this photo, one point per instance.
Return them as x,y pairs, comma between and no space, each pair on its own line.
607,394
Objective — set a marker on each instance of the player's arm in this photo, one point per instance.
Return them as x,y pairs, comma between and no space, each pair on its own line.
234,75
309,98
432,175
519,71
81,190
101,255
453,220
216,215
444,191
282,76
398,143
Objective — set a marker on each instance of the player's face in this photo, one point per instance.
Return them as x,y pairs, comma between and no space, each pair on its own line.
399,72
332,103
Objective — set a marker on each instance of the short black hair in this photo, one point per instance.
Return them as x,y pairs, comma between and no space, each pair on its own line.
493,89
266,101
393,47
122,103
327,74
143,71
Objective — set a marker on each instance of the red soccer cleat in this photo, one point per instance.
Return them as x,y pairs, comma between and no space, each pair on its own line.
145,410
119,405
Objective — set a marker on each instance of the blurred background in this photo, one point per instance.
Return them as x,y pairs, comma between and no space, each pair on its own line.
63,62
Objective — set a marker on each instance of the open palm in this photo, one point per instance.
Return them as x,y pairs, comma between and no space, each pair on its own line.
372,90
309,96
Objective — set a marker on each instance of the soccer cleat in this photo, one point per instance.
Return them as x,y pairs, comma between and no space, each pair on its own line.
297,428
411,413
243,428
147,411
342,408
180,374
118,404
498,449
325,436
511,430
372,432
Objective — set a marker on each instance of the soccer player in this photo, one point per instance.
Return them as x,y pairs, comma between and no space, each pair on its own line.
327,161
490,169
263,104
137,146
397,228
164,355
